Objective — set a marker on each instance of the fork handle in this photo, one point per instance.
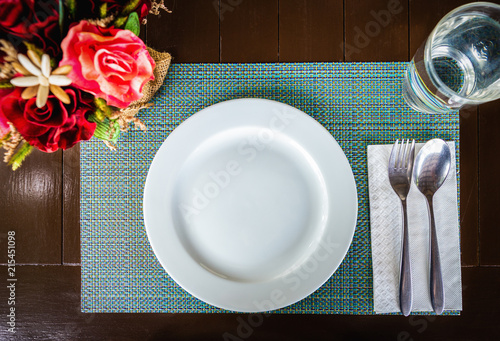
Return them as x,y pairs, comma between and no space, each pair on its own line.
405,287
436,277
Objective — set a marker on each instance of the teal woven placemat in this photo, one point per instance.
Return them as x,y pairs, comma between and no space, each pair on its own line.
359,103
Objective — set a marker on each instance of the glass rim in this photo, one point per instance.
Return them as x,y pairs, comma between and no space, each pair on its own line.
440,85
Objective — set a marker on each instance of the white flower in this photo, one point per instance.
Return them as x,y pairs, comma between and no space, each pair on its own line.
39,79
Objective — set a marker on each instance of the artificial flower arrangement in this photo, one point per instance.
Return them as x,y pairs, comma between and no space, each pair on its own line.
70,70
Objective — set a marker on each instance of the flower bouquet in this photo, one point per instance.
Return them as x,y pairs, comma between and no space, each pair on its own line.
70,70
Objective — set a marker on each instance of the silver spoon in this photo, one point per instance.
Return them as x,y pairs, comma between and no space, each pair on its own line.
431,168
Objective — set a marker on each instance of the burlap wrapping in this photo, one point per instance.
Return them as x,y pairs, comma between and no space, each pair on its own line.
162,60
126,116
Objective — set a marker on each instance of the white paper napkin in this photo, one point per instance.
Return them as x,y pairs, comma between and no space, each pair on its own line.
386,228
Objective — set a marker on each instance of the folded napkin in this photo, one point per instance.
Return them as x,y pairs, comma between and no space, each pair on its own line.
386,228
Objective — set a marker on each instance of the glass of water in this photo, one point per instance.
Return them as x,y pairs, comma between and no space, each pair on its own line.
459,63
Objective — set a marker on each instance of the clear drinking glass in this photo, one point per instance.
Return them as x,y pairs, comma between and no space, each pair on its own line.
459,63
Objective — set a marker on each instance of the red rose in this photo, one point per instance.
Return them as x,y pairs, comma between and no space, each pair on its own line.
36,22
16,16
46,34
54,126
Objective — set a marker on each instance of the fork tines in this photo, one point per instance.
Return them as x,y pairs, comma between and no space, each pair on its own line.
402,154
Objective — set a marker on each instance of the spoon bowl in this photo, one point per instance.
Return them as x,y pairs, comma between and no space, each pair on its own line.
432,166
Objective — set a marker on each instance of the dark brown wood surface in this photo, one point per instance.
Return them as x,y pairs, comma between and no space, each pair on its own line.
48,308
40,202
302,27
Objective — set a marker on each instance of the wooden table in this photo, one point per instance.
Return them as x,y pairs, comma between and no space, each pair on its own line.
40,201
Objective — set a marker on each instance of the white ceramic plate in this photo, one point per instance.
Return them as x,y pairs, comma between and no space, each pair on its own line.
250,205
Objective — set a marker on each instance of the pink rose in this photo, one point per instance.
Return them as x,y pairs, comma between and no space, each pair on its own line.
110,63
4,126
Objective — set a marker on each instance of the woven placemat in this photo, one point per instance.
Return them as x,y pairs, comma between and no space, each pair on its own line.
359,103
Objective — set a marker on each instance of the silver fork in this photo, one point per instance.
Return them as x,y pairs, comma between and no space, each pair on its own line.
400,171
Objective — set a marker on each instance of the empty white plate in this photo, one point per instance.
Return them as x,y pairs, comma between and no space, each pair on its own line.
250,205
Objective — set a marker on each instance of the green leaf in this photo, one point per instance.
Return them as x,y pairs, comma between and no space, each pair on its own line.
103,110
6,85
100,102
106,130
71,4
99,115
17,159
120,21
129,7
133,23
103,10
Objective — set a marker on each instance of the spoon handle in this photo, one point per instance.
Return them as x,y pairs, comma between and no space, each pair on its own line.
436,277
405,289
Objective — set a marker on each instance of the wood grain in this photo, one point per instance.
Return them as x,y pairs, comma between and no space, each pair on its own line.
31,206
469,190
424,15
249,31
190,33
376,30
311,31
71,206
48,308
489,183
